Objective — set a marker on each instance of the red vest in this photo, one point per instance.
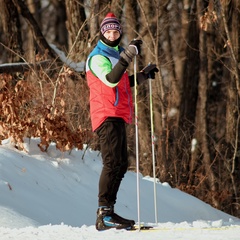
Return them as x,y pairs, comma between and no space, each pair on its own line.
109,102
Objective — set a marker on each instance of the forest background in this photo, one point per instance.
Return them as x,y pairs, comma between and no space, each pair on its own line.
195,95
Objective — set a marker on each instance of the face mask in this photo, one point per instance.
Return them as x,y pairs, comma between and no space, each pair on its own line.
110,43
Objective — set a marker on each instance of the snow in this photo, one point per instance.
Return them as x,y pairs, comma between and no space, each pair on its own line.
76,66
53,196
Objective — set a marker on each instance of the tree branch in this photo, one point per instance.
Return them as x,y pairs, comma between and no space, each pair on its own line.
21,67
41,41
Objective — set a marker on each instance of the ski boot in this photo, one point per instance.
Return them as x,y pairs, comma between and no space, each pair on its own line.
107,219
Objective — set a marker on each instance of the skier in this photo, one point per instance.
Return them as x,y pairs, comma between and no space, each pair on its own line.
111,108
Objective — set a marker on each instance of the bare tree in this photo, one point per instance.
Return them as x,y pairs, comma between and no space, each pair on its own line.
77,29
12,36
37,33
59,26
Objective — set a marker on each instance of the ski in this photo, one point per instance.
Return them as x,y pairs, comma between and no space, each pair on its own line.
136,228
177,229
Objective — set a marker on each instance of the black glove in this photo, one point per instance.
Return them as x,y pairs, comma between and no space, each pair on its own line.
133,49
147,72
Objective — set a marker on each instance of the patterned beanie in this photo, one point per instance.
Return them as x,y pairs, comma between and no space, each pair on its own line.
110,22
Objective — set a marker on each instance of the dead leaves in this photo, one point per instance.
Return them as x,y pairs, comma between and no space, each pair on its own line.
23,114
54,128
209,18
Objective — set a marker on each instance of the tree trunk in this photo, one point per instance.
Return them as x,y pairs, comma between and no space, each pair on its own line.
59,24
12,33
202,131
188,101
33,7
38,36
77,29
230,12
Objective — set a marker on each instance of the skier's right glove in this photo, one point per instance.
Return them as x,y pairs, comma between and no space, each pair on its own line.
148,72
133,49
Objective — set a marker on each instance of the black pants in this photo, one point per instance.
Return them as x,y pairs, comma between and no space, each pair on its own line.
113,143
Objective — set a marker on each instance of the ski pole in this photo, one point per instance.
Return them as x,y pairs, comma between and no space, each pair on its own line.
136,135
153,148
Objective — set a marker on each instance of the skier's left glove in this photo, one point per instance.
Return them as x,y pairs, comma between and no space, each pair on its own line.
133,49
147,72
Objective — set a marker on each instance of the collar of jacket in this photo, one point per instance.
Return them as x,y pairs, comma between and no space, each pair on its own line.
103,49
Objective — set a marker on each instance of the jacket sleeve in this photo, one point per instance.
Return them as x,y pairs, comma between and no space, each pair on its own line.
118,70
102,68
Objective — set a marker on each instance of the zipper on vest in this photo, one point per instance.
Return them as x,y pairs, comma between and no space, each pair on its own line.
117,97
